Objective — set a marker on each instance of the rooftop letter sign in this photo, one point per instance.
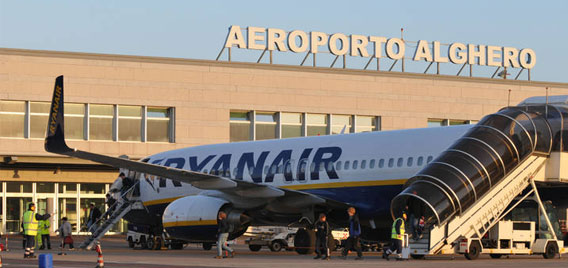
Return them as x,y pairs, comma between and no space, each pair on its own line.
340,44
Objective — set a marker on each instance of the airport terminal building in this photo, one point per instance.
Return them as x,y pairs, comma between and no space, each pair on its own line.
138,106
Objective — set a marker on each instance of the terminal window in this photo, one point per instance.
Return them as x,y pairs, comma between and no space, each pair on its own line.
39,111
341,121
265,125
240,126
291,125
74,121
129,123
316,124
366,124
100,122
12,118
159,124
436,122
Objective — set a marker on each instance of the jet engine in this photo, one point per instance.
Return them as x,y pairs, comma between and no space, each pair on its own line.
194,218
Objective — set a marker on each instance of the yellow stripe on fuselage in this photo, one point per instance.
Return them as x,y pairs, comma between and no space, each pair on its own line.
161,201
344,184
306,187
189,223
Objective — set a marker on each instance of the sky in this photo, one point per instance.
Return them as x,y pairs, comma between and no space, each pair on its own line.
197,29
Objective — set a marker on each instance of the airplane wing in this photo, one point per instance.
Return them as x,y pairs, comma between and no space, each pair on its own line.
55,143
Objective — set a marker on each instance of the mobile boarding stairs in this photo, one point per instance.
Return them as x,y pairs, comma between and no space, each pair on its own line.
483,176
114,213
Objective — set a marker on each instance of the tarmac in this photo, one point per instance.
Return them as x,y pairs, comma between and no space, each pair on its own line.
117,254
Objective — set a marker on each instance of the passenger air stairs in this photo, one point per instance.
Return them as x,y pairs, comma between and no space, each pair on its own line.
478,219
119,209
484,175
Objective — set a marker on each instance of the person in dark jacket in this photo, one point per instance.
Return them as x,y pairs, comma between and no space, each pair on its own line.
354,240
322,233
222,235
94,215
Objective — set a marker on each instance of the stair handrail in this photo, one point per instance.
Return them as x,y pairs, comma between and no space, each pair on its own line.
112,208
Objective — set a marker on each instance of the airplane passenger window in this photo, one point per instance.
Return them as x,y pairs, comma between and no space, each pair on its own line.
429,159
281,169
420,161
288,168
381,163
273,169
372,163
321,166
346,167
409,161
303,166
338,166
363,164
355,164
265,170
391,162
251,170
312,167
205,171
399,162
329,166
235,171
227,173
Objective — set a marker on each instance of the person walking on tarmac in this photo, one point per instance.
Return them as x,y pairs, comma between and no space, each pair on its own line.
322,234
354,240
397,235
30,225
44,232
222,235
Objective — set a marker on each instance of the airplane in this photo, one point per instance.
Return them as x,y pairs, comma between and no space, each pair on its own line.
281,182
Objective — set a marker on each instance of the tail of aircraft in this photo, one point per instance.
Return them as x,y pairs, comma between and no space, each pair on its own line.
55,137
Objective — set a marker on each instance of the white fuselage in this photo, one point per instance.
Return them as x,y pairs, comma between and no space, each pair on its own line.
349,165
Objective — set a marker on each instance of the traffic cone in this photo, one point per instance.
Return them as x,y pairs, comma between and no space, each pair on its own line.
100,261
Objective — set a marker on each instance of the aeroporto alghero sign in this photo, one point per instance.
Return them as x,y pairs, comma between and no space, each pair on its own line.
340,44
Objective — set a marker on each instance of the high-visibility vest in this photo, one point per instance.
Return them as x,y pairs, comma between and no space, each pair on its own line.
394,234
30,223
44,227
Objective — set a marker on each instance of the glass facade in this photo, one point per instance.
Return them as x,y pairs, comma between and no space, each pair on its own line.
280,125
28,119
63,198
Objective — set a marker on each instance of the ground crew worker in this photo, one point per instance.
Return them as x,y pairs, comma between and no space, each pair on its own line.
397,235
322,233
30,225
354,240
44,232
